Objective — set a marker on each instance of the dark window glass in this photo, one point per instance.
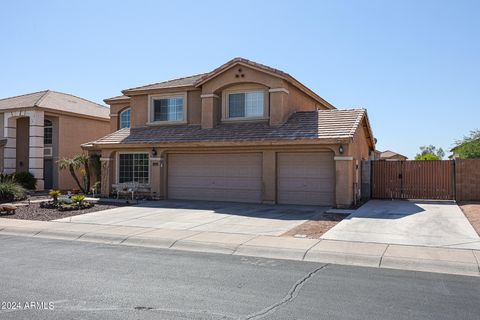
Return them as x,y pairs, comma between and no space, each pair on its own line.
169,109
47,132
133,167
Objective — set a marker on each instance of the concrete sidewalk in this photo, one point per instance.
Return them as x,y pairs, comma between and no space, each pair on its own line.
419,258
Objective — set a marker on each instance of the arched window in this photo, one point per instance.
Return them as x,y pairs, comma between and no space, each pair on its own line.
125,119
47,131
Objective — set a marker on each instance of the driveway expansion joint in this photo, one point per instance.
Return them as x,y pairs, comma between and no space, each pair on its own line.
476,259
306,251
383,254
291,295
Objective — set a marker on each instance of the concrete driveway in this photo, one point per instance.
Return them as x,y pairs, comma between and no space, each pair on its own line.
420,223
223,217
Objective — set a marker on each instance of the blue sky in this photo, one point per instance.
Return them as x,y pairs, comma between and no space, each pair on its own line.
415,65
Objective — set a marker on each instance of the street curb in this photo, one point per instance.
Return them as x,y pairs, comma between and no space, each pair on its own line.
426,265
413,258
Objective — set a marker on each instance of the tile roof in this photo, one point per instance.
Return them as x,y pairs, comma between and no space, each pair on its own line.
174,83
53,100
388,154
117,98
322,124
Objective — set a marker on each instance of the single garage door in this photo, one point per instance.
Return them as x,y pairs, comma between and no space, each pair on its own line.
216,177
305,178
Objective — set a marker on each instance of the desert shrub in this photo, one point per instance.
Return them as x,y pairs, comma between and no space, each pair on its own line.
11,191
5,177
55,194
78,199
75,206
26,179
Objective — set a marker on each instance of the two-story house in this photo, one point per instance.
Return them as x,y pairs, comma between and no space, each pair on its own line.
244,132
38,129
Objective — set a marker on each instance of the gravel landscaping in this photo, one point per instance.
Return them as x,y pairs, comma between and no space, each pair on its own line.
472,212
315,228
34,212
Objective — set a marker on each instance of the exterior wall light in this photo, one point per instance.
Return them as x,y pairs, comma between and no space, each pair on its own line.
340,149
154,151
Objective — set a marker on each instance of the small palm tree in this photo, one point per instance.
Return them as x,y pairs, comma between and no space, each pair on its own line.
84,160
72,164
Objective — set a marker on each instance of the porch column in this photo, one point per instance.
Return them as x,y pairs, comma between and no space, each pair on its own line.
35,159
107,176
269,178
156,167
10,149
343,181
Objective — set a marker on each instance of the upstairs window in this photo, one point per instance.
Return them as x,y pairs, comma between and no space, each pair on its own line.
246,104
125,119
47,132
168,109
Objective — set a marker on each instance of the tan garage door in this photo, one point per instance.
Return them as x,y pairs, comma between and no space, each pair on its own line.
305,178
216,177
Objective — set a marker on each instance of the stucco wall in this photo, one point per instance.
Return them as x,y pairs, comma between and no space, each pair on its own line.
73,131
299,101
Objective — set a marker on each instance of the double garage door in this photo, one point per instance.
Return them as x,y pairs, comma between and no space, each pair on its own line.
302,178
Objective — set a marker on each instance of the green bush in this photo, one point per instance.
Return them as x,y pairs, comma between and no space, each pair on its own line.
26,179
78,199
11,191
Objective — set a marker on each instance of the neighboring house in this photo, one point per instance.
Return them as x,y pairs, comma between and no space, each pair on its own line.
244,132
389,156
38,129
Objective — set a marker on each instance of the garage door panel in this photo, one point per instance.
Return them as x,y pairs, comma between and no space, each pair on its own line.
305,178
212,182
216,177
214,194
307,198
306,185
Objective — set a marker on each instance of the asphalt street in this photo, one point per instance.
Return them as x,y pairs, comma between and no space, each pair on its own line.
53,279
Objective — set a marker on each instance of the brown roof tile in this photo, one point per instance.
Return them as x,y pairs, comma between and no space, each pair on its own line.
174,83
117,98
53,100
322,124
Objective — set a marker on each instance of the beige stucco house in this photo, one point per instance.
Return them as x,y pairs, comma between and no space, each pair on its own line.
38,129
389,155
243,132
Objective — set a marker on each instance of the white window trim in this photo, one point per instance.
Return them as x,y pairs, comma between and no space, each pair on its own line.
153,97
117,165
120,117
225,105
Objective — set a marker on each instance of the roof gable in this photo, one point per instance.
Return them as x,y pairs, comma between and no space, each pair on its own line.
262,68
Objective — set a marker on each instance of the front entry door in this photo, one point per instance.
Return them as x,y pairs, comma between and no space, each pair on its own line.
48,173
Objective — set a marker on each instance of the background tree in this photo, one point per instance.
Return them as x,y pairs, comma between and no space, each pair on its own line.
430,153
469,146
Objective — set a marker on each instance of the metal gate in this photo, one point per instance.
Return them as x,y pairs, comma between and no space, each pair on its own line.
413,180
